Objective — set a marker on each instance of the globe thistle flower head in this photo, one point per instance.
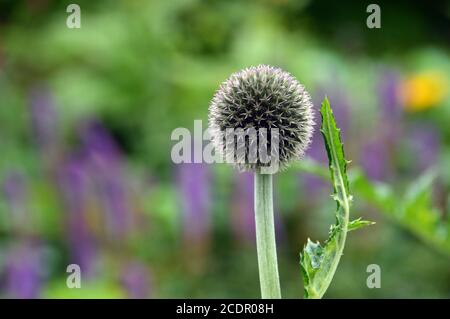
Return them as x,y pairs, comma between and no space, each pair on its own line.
266,99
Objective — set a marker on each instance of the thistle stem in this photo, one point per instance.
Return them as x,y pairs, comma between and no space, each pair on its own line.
265,237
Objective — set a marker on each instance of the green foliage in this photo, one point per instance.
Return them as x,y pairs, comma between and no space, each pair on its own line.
92,290
319,263
413,211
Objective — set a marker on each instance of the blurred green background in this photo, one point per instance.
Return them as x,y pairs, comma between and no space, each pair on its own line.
85,170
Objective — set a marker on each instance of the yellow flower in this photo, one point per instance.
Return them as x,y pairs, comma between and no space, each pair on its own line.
423,91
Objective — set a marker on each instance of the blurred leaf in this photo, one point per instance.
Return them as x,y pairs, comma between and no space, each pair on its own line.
413,211
164,209
310,166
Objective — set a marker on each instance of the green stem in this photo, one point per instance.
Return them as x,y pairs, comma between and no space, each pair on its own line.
265,238
331,269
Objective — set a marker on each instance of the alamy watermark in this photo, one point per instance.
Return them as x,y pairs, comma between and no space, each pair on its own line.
374,279
73,21
240,146
374,19
74,278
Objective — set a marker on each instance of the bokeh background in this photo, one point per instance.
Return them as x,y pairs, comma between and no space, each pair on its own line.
85,170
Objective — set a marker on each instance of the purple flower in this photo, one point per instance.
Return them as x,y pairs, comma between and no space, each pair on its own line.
44,119
424,144
377,154
375,160
23,268
99,143
14,190
74,184
136,280
388,96
390,124
23,272
114,198
106,167
194,185
243,216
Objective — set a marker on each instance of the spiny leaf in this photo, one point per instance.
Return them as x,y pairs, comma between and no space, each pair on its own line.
319,263
359,223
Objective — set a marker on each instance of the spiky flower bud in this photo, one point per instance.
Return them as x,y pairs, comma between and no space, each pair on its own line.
262,97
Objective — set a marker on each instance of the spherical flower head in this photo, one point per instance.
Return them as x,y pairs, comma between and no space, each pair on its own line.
262,97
